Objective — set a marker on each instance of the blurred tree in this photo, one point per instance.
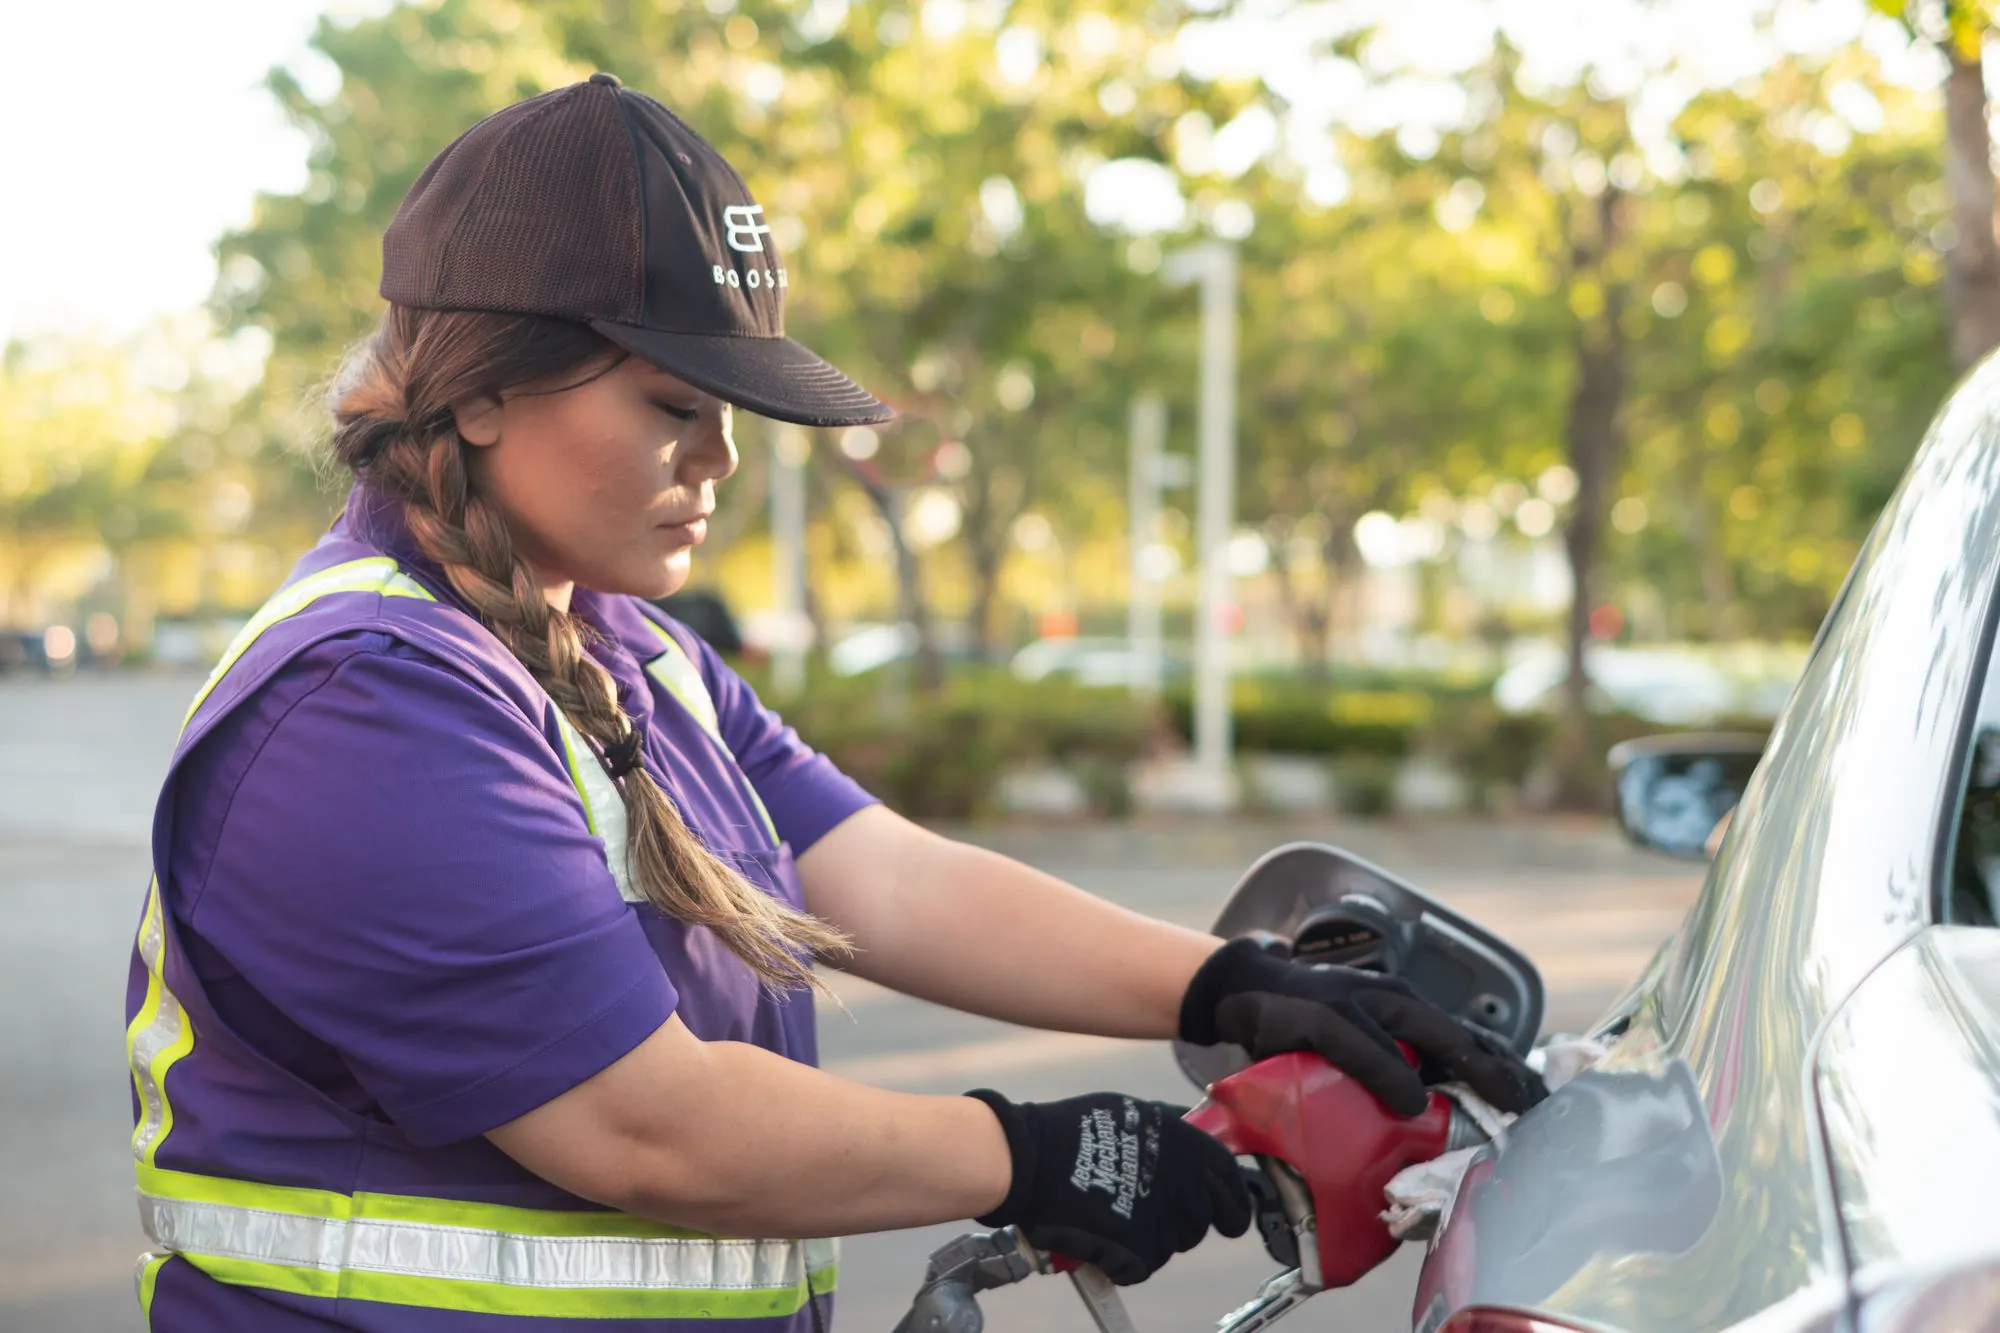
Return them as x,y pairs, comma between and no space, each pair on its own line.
1559,170
1792,345
1959,30
126,460
924,174
77,437
1753,307
1756,312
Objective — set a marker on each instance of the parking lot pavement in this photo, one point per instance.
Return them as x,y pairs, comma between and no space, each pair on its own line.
80,761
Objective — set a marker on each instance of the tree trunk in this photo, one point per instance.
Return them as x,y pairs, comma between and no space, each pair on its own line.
1298,615
1344,568
993,495
986,559
1972,265
910,604
1595,448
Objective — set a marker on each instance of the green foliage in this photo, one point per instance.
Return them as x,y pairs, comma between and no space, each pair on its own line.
929,205
942,754
1962,23
1308,717
1407,341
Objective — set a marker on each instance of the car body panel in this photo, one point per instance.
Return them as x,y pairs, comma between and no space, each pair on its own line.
1908,1079
1827,869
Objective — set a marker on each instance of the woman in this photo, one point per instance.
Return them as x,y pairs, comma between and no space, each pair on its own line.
473,988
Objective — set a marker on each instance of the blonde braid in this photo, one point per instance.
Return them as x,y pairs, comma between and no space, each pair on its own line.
420,459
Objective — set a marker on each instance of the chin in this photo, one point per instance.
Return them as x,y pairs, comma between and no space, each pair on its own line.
650,579
669,578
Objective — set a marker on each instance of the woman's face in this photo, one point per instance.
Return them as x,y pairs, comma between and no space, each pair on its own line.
607,484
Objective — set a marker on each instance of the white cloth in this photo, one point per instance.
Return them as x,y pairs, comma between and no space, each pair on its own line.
1418,1195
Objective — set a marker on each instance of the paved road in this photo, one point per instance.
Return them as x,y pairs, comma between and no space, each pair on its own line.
79,764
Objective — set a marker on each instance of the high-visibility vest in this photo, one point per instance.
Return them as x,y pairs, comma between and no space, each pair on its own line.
415,1250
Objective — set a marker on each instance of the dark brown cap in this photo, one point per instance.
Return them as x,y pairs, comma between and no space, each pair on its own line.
597,204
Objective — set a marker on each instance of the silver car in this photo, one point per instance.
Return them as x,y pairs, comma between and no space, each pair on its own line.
1798,1126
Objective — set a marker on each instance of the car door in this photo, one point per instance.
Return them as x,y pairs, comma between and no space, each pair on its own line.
1906,1076
1685,1183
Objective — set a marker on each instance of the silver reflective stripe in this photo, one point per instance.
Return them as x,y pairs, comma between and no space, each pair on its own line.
603,806
473,1254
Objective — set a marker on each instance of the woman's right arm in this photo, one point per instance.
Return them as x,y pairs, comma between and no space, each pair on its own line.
731,1139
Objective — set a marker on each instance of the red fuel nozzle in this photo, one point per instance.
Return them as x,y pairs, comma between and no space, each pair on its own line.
1337,1136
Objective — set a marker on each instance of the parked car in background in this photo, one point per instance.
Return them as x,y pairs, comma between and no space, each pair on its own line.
194,641
707,613
867,647
51,651
1096,661
1671,686
1794,1128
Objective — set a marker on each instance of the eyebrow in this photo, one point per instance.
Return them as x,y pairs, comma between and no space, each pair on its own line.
660,381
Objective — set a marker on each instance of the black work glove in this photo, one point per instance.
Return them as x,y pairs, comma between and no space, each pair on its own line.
1268,1004
1111,1180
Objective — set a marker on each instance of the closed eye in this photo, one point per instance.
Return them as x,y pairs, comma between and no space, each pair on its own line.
676,410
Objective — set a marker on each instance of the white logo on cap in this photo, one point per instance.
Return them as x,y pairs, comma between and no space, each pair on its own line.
746,229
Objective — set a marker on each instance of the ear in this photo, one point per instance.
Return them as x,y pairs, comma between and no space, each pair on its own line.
478,419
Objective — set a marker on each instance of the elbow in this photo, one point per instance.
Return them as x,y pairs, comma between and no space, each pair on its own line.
697,1191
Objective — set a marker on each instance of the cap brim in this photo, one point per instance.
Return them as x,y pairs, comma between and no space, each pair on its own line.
773,377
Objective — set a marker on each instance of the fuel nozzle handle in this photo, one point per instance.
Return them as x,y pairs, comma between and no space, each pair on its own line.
1329,1147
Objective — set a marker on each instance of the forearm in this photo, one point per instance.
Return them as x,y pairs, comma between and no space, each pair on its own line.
731,1139
969,928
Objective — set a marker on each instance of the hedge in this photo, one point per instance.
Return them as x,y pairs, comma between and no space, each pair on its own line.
941,756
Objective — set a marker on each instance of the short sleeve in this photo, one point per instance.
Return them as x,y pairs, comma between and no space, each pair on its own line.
805,793
404,872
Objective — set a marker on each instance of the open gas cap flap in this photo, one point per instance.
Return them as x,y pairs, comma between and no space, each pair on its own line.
1323,905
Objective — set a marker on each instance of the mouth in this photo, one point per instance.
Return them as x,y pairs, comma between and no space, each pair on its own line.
693,529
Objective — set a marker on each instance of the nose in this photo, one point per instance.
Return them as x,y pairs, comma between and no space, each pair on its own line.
708,450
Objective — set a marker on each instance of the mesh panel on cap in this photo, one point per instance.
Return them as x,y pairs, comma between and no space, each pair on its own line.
533,210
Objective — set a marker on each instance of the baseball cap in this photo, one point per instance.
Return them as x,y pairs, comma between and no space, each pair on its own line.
595,203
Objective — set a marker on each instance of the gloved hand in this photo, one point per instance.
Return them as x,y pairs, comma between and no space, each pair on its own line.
1268,1004
1111,1180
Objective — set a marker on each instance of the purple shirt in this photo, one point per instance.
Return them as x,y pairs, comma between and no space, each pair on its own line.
383,879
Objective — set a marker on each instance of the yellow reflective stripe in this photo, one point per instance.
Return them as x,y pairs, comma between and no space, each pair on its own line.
677,671
149,1278
496,1298
148,1015
491,1258
159,1037
160,1034
297,1201
377,574
245,1218
603,804
572,742
516,1221
290,1199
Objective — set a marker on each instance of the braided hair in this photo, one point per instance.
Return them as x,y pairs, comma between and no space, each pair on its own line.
394,428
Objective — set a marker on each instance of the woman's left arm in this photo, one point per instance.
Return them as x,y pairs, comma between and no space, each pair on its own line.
972,929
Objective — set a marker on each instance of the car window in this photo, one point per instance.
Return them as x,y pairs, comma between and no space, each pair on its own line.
1970,893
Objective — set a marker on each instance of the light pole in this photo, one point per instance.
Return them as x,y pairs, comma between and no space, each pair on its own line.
1213,265
1142,506
789,448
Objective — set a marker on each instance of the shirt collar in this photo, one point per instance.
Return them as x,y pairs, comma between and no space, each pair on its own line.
375,518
